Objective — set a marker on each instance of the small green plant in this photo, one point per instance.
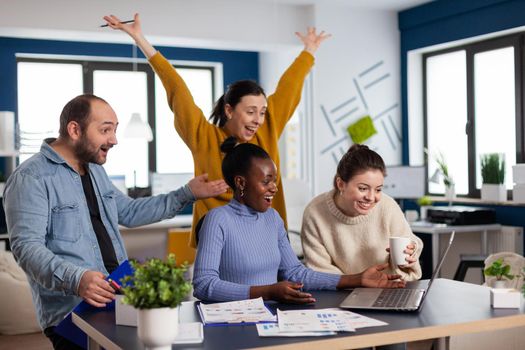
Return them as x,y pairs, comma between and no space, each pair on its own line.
492,168
424,201
443,167
2,177
156,284
499,270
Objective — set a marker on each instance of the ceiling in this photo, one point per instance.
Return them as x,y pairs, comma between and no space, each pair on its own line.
392,5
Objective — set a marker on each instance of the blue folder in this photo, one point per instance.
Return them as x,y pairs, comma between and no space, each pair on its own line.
69,330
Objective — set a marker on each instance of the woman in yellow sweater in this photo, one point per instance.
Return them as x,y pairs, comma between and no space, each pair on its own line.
243,112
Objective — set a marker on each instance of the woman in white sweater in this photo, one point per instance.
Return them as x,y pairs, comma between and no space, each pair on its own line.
347,229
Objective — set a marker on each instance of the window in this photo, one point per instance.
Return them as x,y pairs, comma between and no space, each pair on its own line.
46,85
473,107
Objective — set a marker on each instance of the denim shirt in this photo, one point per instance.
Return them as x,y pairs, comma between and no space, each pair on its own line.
50,229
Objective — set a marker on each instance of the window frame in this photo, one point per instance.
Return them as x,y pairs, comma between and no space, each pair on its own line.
91,64
471,49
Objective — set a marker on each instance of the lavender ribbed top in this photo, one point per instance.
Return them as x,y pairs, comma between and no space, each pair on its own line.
240,247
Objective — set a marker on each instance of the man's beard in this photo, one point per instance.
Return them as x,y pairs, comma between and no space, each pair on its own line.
86,153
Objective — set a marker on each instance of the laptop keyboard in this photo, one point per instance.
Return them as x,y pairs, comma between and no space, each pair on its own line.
393,298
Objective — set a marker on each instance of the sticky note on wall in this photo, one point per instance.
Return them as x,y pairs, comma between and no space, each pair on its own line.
362,130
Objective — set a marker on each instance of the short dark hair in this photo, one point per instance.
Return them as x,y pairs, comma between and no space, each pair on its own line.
233,96
358,159
77,110
238,159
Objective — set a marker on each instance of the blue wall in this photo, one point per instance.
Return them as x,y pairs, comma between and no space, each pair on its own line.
236,64
448,20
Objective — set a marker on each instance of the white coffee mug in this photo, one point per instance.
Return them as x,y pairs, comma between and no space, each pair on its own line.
397,248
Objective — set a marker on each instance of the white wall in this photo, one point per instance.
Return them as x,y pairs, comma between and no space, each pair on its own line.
225,24
361,40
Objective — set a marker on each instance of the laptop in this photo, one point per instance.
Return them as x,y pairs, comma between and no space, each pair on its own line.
386,299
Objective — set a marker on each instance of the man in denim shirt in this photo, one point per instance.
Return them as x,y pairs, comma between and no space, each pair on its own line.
63,213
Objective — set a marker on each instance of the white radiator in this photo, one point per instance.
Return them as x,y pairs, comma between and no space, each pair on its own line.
509,239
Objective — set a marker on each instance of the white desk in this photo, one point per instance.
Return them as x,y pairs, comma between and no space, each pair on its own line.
437,229
151,240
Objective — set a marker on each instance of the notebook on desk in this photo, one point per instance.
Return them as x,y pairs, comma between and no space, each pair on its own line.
402,299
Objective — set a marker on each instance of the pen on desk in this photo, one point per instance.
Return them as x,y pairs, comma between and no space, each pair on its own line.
129,21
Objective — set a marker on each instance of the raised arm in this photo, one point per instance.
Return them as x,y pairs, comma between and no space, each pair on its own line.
134,30
189,121
312,40
283,102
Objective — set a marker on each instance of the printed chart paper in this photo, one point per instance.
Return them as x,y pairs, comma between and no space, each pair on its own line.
247,311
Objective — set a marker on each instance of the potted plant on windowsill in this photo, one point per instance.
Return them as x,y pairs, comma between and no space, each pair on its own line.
448,181
156,288
493,178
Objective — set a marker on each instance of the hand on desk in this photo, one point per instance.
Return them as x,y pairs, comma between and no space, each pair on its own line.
95,290
373,277
284,291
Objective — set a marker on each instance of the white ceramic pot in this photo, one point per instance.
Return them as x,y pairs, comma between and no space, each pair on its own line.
499,284
450,193
493,192
158,328
2,186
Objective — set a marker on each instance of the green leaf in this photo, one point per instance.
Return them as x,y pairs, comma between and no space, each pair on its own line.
156,283
492,168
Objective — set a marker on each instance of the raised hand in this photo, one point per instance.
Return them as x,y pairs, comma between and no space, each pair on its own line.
94,289
375,277
134,30
312,40
202,188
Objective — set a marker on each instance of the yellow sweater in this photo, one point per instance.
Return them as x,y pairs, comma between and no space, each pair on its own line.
204,139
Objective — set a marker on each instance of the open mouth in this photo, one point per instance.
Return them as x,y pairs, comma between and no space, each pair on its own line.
364,205
268,199
251,129
105,149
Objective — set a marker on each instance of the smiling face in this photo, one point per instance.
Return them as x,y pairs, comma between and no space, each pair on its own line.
360,194
259,185
97,138
246,117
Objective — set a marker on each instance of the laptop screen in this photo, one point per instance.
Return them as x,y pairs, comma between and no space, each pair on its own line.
438,267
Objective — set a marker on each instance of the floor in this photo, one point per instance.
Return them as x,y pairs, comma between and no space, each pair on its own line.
33,341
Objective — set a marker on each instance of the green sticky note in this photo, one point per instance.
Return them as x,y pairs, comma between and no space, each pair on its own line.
362,129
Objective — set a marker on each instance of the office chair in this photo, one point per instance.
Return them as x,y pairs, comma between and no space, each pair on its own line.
467,261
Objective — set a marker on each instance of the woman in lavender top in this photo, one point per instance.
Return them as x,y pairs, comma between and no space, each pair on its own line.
243,250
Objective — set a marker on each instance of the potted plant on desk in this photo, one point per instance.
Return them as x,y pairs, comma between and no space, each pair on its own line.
500,270
156,290
493,176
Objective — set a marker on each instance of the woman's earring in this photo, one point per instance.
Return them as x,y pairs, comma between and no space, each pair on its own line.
341,193
242,192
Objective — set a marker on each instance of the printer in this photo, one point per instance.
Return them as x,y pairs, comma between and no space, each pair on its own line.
461,215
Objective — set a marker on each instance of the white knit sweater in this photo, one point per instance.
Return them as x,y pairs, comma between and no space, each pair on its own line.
335,242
